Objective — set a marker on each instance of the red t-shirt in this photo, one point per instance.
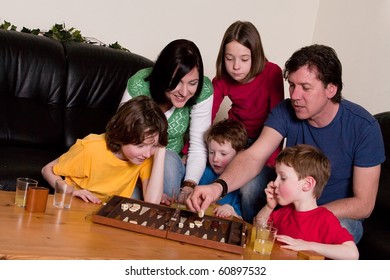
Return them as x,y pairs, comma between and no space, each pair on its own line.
317,225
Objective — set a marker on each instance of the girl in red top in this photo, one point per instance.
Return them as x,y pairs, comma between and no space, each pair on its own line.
254,85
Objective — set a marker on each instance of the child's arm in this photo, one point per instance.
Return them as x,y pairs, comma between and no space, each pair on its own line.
266,211
48,174
152,189
345,251
51,178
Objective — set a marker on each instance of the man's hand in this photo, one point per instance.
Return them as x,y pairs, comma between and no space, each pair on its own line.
203,196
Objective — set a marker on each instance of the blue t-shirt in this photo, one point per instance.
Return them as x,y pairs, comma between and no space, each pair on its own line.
353,138
232,198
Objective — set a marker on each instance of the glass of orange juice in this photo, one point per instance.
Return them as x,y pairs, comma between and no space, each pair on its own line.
257,221
264,239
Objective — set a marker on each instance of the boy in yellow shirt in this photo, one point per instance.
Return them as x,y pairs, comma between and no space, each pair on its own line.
110,163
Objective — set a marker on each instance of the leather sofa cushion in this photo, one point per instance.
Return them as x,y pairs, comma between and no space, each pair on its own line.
94,90
384,123
32,67
29,122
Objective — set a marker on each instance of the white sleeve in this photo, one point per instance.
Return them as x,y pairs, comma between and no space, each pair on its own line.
197,153
126,97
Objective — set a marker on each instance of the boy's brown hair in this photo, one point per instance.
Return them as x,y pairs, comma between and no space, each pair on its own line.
228,130
136,120
307,160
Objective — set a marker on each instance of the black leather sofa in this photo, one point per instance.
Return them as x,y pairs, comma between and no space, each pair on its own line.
375,243
52,93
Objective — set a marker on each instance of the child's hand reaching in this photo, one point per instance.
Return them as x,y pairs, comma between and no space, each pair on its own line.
270,193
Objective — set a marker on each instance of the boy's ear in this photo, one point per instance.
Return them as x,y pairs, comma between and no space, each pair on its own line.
309,184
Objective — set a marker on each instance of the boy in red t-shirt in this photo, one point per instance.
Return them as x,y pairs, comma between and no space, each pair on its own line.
302,172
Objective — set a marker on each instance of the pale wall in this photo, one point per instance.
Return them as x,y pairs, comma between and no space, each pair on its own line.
360,33
358,30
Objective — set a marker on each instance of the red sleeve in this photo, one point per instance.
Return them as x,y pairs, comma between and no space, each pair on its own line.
217,97
185,148
276,95
276,88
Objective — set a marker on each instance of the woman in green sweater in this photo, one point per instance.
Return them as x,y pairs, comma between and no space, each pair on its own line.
176,82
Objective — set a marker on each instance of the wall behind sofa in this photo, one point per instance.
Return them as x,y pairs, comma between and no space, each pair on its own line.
358,30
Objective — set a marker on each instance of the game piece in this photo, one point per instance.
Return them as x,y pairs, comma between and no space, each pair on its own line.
124,206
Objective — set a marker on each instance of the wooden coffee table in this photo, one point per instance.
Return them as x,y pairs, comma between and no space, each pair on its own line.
71,234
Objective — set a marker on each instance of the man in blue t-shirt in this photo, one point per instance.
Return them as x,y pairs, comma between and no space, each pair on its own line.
316,114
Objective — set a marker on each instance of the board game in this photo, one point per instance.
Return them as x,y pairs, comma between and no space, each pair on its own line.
166,222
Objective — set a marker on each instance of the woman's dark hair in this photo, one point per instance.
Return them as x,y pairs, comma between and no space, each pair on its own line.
245,33
175,61
323,60
135,121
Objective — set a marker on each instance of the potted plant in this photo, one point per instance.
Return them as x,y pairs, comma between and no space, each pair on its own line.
60,33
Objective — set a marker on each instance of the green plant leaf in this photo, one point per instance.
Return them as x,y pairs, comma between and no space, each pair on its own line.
60,33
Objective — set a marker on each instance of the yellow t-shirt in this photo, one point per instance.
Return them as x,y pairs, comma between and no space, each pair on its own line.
92,166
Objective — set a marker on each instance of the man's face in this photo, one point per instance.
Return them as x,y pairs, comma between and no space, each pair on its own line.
311,100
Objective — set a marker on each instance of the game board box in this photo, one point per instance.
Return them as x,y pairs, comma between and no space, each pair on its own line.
166,222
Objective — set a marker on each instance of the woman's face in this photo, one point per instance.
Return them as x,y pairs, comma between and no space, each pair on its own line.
185,89
238,60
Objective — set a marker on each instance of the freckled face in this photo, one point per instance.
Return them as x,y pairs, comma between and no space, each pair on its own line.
137,154
185,89
238,60
287,184
220,155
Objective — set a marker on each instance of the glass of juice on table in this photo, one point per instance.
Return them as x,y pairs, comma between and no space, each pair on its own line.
22,184
257,221
264,239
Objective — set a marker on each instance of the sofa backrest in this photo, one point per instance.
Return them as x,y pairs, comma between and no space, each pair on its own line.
38,75
382,206
51,94
95,87
384,123
32,86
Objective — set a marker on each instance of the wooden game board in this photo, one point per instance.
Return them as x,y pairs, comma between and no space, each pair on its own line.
179,225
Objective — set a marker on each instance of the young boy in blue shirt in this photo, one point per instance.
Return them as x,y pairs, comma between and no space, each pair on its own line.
224,139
